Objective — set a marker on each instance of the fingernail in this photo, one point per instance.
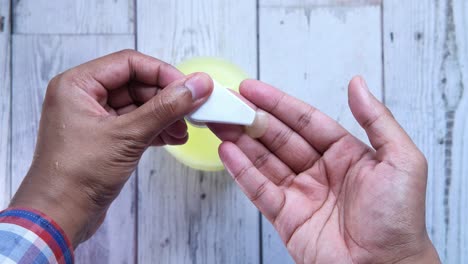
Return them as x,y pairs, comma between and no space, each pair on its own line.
364,84
199,84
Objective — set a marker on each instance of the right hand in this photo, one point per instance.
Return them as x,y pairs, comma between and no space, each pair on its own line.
332,198
97,120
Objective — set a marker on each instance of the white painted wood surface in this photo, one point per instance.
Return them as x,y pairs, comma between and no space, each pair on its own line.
320,49
316,3
73,16
36,59
186,216
426,60
5,89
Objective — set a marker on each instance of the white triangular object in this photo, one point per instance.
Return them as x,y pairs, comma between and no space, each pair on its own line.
223,107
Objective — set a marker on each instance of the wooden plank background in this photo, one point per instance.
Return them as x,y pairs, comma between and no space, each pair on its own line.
73,17
413,53
425,46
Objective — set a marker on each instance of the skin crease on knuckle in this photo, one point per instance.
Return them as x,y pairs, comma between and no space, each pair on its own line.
169,104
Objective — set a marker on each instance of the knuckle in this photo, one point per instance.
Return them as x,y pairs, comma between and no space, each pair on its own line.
52,95
163,106
54,82
127,52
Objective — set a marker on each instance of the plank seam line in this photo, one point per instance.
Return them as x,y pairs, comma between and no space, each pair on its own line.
382,44
260,226
10,122
136,187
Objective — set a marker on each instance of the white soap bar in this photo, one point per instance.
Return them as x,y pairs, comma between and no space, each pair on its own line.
223,107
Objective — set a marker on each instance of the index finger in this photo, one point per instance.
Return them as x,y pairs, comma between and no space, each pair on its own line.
117,69
318,129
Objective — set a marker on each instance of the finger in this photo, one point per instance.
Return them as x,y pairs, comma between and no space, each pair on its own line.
157,142
177,130
315,127
383,130
171,104
133,93
165,139
117,69
110,110
119,98
266,196
265,161
289,146
170,140
126,109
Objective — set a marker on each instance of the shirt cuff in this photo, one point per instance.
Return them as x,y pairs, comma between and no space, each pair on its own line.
35,237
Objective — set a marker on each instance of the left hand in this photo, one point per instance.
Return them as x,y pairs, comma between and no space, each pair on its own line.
97,120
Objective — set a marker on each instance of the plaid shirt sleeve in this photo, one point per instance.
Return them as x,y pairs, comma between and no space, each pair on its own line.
28,236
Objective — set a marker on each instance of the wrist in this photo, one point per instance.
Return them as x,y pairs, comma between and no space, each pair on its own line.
57,202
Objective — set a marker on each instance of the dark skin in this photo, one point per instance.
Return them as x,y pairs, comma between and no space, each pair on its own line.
332,198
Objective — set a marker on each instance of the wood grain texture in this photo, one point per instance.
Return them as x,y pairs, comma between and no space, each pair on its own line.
5,92
315,3
425,77
457,247
73,16
36,59
312,53
187,216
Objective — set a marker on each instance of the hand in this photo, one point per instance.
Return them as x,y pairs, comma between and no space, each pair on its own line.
97,120
332,198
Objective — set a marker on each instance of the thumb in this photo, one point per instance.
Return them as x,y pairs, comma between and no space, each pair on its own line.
384,132
170,104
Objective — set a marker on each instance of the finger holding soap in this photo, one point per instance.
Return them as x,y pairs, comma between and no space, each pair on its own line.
280,139
102,131
318,129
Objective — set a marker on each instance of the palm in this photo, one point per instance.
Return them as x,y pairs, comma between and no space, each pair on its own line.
331,198
347,215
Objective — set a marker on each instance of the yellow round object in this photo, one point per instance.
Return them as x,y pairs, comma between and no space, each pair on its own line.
201,150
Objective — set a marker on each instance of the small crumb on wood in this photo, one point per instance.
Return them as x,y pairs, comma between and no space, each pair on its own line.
418,36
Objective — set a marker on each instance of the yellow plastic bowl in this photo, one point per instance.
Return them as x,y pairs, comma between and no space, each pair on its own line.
201,150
